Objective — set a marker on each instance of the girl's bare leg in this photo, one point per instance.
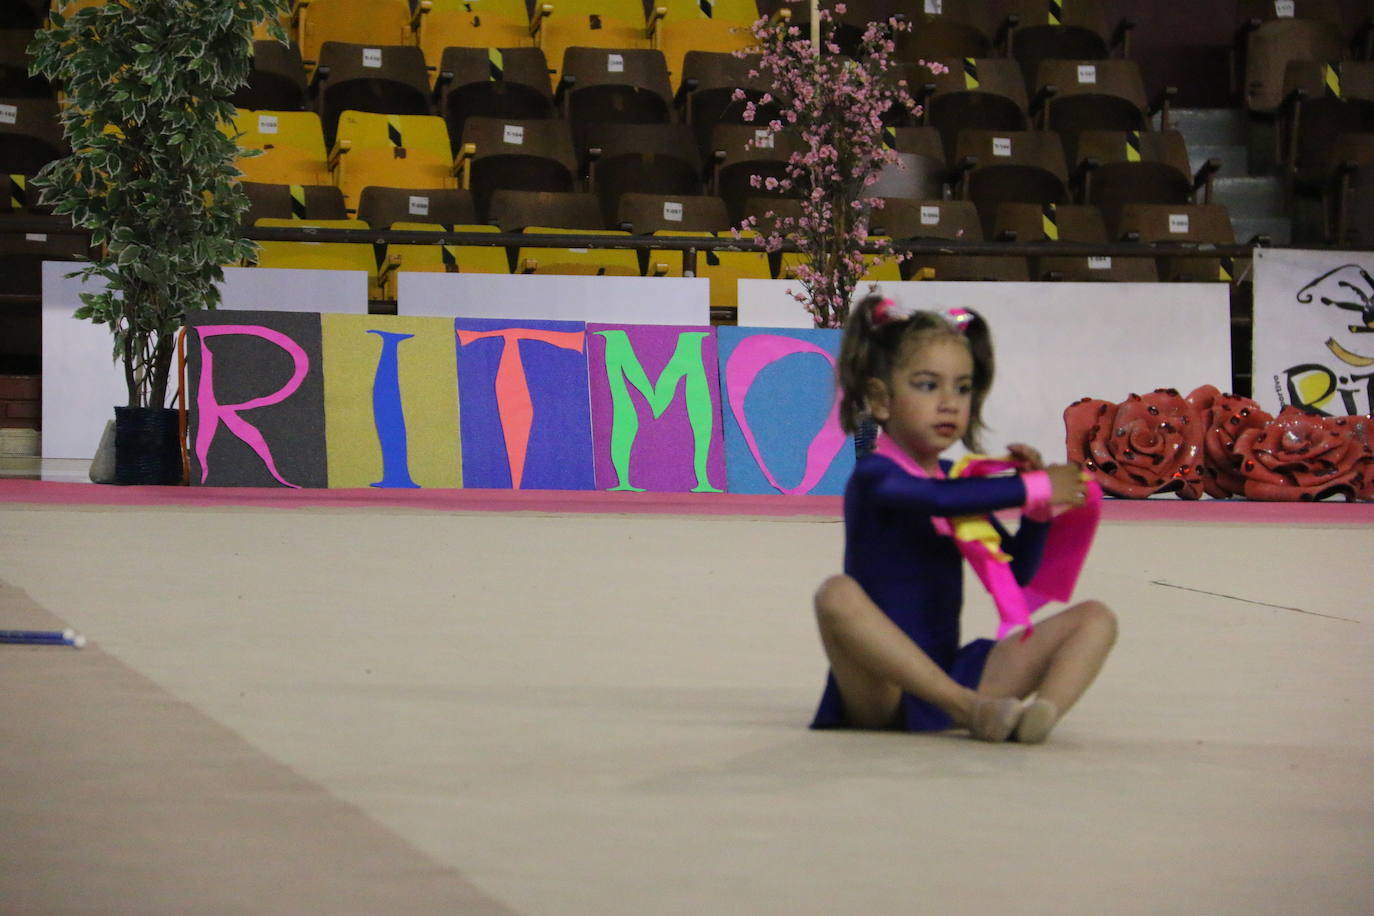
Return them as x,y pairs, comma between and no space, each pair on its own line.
873,661
1057,663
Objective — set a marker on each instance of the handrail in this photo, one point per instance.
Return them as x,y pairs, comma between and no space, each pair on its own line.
680,243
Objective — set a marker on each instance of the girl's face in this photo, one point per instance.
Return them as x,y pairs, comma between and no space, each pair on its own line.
925,406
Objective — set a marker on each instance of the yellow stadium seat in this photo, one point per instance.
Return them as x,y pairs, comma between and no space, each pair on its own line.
434,258
608,262
721,268
676,37
385,22
406,151
444,24
292,144
564,24
880,269
325,255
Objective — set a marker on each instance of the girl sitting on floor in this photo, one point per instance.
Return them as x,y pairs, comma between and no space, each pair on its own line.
890,624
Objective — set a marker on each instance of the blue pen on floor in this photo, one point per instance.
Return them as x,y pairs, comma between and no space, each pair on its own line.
43,638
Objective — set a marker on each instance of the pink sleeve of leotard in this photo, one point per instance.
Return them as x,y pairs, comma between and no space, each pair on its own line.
1038,493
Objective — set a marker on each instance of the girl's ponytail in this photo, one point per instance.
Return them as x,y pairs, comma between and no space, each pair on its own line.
858,348
979,337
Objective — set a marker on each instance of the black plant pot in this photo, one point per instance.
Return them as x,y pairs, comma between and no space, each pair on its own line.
147,446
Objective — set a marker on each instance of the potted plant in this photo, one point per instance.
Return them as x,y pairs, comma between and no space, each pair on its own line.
151,175
837,103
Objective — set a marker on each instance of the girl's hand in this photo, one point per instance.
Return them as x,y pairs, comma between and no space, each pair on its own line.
1067,486
1026,458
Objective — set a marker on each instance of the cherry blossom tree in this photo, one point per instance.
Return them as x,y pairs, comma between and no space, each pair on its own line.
836,103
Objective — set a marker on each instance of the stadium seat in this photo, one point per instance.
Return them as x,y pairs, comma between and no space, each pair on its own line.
643,214
22,253
364,22
1348,194
443,257
409,151
277,80
283,201
515,210
1189,224
517,154
15,81
382,207
1271,45
23,14
566,24
1040,30
1011,166
599,262
1322,101
324,255
946,28
442,24
646,158
740,152
723,269
30,134
677,27
1069,223
921,171
1147,167
291,144
955,221
705,94
492,83
614,85
980,93
1092,95
381,79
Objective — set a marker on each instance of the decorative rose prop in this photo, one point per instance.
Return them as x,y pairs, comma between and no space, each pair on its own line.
1301,456
1147,444
1224,417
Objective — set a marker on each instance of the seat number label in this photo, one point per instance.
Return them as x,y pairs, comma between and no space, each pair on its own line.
419,206
515,133
672,211
372,57
1178,222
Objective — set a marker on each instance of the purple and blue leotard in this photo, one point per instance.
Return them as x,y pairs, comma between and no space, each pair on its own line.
916,575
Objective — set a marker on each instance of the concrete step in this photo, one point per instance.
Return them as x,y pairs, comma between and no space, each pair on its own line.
1278,228
1254,197
1209,126
1234,159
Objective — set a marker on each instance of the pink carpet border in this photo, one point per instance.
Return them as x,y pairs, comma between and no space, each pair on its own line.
554,501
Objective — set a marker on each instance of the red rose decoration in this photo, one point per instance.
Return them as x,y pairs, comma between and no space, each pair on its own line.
1224,417
1362,428
1301,456
1144,445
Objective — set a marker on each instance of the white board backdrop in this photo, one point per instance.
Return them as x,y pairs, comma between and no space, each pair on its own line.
81,382
1313,344
1058,342
607,300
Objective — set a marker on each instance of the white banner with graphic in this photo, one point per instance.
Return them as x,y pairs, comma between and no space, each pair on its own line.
1314,330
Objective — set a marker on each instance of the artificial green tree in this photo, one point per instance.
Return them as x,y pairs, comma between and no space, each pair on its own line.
146,85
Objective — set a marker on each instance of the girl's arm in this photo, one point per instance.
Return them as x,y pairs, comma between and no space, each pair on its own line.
891,486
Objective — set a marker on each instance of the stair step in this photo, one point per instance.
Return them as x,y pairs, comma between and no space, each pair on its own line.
1234,159
1210,126
1278,228
1254,197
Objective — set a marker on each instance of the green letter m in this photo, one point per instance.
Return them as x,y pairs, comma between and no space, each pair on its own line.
622,366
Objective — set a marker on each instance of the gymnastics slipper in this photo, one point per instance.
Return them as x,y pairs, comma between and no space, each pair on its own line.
1036,722
993,720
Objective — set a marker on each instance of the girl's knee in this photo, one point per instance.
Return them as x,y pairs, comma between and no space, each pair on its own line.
1097,616
834,598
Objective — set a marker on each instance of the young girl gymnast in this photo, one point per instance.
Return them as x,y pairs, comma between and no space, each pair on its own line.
890,624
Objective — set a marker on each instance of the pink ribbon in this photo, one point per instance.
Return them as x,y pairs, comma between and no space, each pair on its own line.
1066,547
